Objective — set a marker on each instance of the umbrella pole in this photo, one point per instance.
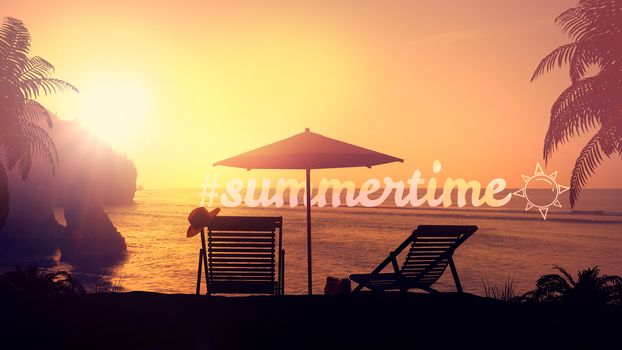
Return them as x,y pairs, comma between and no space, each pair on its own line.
309,268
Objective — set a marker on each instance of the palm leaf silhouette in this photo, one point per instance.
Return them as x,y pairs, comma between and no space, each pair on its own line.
22,79
585,166
4,194
566,274
578,109
33,112
557,57
595,28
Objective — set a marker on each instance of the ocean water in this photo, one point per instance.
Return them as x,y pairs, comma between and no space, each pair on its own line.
510,243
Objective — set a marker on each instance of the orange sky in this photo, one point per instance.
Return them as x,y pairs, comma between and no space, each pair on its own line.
178,85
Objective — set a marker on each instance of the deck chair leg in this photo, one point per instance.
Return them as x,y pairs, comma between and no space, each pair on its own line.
454,273
206,271
199,271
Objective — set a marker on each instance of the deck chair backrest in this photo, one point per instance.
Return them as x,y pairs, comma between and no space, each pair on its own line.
241,255
430,251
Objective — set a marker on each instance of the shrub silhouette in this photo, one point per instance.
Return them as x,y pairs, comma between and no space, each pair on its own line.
590,288
36,282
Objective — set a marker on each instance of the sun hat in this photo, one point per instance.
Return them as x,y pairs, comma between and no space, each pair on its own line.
200,218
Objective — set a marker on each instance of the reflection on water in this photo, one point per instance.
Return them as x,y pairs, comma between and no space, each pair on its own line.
510,242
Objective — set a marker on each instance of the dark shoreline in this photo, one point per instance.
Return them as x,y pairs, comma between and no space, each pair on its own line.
141,320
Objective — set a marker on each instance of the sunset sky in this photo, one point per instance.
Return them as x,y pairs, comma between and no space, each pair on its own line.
179,85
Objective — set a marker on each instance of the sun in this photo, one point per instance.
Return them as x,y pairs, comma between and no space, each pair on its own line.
543,203
115,110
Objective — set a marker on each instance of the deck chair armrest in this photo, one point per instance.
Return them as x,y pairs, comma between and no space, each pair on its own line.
390,259
396,267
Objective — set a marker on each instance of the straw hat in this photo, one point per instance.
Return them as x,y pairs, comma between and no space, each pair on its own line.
199,218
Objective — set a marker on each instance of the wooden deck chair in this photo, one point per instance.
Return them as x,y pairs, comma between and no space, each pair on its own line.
241,256
431,250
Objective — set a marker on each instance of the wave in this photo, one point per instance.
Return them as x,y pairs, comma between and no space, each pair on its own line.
501,210
174,205
572,216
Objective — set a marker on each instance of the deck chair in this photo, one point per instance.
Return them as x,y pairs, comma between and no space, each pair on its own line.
431,250
241,256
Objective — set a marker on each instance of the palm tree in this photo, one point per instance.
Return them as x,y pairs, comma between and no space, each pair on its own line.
590,288
595,28
22,134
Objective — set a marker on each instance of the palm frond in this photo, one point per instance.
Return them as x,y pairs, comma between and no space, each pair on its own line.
589,276
579,108
41,144
585,55
36,67
559,56
4,195
33,111
31,88
24,164
610,137
551,286
591,19
614,289
565,272
14,47
15,146
589,159
574,22
613,280
24,140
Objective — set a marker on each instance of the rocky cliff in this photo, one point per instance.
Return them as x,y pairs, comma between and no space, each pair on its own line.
89,175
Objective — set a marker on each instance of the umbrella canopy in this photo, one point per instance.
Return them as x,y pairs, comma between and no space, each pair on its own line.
308,151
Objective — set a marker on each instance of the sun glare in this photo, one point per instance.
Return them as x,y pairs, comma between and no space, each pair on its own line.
115,110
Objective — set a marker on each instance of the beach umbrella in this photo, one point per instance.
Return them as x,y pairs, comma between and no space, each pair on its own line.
308,151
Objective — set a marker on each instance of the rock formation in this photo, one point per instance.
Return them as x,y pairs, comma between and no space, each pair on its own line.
89,175
31,229
90,240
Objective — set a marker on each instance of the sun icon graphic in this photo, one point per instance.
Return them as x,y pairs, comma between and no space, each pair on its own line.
537,199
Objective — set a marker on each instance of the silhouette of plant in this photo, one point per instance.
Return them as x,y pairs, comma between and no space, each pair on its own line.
38,282
504,292
114,287
595,28
590,288
22,79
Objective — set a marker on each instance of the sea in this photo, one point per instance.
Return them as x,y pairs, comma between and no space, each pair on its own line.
512,245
